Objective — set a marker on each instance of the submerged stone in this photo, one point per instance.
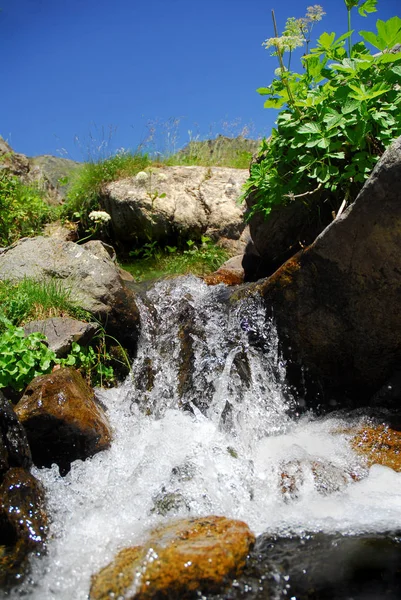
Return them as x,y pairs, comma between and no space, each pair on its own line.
14,447
62,419
320,566
23,523
181,560
379,444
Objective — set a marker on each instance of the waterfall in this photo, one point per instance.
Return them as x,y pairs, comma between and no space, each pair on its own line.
204,425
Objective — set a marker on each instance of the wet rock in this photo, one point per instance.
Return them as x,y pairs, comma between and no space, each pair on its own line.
62,419
181,560
334,302
165,502
23,523
379,444
325,477
14,447
321,567
61,332
92,277
230,273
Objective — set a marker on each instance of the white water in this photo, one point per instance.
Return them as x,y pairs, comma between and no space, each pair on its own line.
217,460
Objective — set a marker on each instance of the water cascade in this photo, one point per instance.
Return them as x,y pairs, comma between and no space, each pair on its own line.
205,425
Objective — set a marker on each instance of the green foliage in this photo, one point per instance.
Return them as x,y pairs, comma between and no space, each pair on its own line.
87,181
23,358
22,209
199,258
30,299
339,116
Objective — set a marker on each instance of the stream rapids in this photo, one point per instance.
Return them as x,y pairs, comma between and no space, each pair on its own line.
203,425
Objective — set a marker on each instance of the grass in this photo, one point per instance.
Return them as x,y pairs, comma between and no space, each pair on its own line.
222,151
152,262
23,209
87,181
31,300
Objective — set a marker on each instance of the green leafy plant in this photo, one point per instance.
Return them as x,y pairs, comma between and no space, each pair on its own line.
23,357
197,257
23,211
338,115
96,362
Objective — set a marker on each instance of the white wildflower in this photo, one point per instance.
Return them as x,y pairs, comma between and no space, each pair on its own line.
162,176
141,177
99,216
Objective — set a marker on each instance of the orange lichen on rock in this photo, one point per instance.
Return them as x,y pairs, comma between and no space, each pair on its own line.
226,276
379,444
192,554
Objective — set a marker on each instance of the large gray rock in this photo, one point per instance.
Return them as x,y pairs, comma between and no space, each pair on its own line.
337,303
198,200
61,332
93,279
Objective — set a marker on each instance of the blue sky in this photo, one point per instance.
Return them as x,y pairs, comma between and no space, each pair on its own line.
81,73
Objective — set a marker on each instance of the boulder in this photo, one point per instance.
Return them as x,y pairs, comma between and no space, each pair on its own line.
335,302
41,171
93,279
14,447
62,419
185,558
169,202
288,228
23,523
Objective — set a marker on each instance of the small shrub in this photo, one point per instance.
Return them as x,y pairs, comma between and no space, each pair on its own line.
23,210
87,181
339,114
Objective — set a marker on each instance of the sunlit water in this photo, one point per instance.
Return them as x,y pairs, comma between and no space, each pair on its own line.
215,442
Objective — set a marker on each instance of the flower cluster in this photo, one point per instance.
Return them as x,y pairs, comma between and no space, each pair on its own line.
99,217
141,177
162,176
297,31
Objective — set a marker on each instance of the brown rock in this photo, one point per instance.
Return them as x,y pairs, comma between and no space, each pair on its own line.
23,523
379,444
184,558
223,276
62,419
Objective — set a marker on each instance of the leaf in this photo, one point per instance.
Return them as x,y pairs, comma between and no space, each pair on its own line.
349,106
264,91
274,103
390,31
373,39
311,127
369,6
333,119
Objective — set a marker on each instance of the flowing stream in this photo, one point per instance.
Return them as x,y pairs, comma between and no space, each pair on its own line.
205,425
